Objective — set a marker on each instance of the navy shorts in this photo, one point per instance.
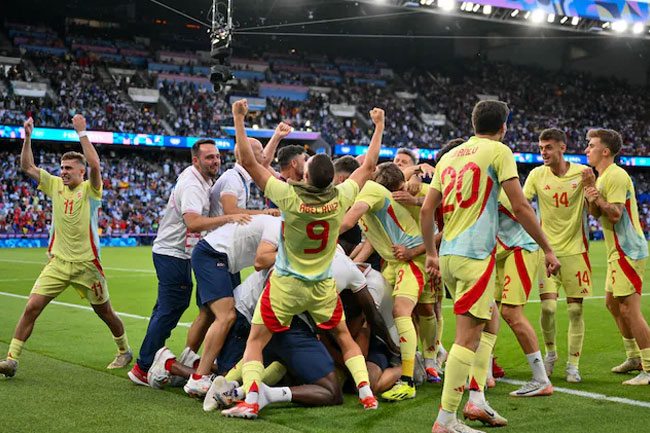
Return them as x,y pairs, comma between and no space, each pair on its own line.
378,353
234,345
213,280
300,351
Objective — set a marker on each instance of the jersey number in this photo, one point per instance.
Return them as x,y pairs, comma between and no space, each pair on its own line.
68,206
583,277
561,199
457,182
322,236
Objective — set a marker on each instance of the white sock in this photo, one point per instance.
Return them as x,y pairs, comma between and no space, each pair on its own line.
365,391
270,394
490,373
253,396
429,362
445,418
477,397
537,366
441,351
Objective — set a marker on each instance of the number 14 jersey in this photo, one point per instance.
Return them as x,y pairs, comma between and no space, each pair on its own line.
469,179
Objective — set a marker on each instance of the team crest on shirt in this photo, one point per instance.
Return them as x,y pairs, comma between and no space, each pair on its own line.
574,184
60,191
79,195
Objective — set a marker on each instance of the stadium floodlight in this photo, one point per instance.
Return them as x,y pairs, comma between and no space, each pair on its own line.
575,21
527,15
487,10
514,13
463,6
606,25
476,7
550,18
619,26
537,16
429,2
564,19
637,28
447,5
423,2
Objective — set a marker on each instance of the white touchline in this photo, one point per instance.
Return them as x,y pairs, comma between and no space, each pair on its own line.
537,301
585,394
34,262
85,307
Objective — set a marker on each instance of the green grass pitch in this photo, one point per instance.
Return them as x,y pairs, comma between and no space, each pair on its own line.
62,384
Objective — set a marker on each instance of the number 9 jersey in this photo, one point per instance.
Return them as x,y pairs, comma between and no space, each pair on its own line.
311,218
469,178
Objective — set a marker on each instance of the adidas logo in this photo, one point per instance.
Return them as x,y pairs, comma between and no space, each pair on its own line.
460,389
584,291
547,188
431,348
402,340
575,354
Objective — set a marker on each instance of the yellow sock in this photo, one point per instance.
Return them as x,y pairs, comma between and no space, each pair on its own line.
407,343
631,348
479,371
645,359
439,326
459,363
357,367
576,332
235,372
273,373
15,349
428,336
122,343
252,372
547,320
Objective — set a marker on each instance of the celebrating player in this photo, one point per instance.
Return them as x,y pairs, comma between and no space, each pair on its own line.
466,184
612,199
74,244
563,217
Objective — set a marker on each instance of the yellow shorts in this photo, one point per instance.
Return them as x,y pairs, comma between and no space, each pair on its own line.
574,277
624,276
471,284
408,279
516,271
284,297
86,277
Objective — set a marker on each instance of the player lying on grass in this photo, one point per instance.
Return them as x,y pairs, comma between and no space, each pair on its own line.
74,244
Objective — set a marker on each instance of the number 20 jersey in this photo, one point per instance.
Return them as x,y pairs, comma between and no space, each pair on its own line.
469,178
311,219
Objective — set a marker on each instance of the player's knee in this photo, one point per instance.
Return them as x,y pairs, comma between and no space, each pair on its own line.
549,306
331,385
227,318
32,310
574,310
425,310
510,314
624,309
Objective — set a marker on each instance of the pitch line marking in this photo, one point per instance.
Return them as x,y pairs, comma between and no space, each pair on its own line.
34,262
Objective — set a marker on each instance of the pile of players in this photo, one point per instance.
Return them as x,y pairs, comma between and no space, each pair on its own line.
352,260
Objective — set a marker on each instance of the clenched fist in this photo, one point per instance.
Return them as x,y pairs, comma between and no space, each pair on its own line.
79,123
29,127
377,116
588,178
240,108
282,130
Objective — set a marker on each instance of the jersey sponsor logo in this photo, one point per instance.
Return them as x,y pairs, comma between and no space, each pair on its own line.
328,208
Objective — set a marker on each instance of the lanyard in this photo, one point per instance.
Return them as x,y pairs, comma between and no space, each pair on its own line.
243,180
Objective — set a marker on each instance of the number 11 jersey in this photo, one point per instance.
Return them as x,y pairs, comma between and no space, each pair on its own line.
311,218
469,179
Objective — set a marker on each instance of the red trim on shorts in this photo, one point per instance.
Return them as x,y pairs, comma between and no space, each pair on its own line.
268,316
488,190
627,269
92,241
336,316
467,301
520,263
418,276
586,257
99,267
49,247
391,212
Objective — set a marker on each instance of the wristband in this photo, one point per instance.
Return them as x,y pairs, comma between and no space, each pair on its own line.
82,134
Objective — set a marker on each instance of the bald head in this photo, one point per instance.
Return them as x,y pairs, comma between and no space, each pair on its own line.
257,150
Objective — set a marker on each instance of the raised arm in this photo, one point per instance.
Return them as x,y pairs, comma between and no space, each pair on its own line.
352,215
281,131
367,169
89,151
258,172
431,203
26,156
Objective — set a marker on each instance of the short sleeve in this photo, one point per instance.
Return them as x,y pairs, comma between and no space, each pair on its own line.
530,190
348,192
374,195
272,228
48,182
356,280
193,199
230,186
436,183
93,193
616,188
504,163
278,192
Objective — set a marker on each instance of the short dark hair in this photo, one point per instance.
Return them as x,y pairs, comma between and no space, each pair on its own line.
553,134
450,145
350,239
321,170
288,153
346,164
196,147
389,175
610,139
488,116
79,157
411,154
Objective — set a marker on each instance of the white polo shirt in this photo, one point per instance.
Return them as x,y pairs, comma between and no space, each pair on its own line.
240,241
248,293
191,194
382,295
235,181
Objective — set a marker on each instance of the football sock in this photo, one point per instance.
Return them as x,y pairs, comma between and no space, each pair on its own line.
408,343
273,373
357,367
273,395
364,391
645,359
547,319
428,338
235,372
122,343
576,332
481,363
15,349
631,348
252,372
490,370
439,324
253,393
537,366
459,364
445,417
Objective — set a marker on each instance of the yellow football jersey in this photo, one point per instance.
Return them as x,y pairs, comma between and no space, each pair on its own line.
561,208
311,219
73,236
625,238
387,222
469,179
